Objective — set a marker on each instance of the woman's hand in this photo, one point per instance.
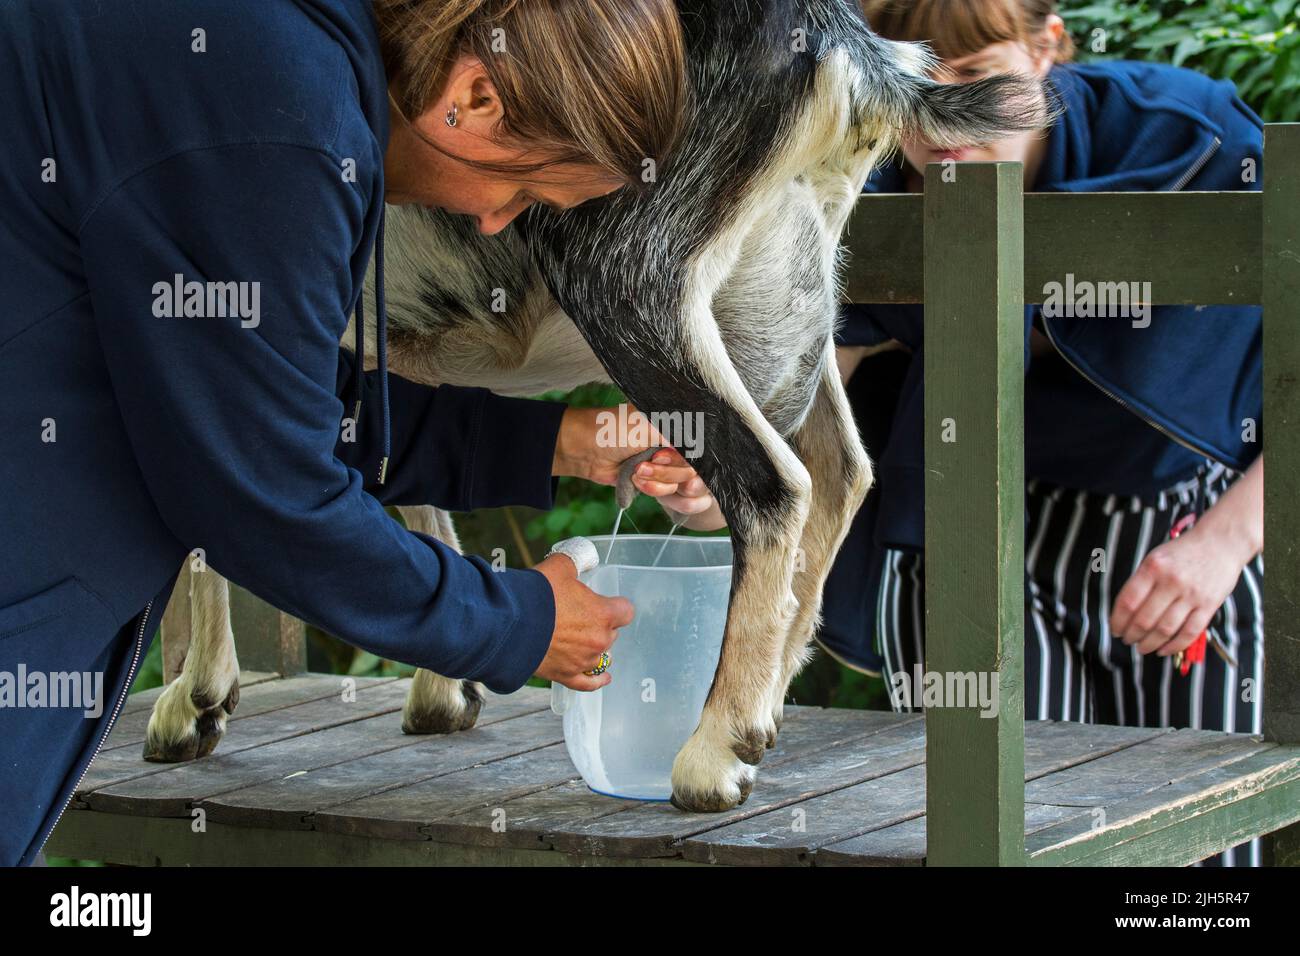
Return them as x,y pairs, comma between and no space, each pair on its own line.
586,625
1173,595
1179,585
667,476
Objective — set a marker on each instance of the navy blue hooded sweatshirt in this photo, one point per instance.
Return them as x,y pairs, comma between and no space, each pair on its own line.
1145,405
219,141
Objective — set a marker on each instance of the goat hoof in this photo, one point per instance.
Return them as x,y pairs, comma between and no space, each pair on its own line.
709,776
444,713
186,725
712,801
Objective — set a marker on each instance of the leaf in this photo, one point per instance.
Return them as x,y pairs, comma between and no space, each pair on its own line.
1186,47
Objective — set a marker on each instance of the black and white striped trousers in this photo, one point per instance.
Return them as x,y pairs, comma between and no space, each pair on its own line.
1074,669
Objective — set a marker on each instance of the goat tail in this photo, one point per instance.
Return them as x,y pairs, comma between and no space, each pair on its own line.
953,115
899,87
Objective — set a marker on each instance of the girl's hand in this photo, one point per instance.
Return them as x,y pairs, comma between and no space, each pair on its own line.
581,452
668,477
1177,588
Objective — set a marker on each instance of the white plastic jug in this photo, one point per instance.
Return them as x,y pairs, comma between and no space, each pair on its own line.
623,737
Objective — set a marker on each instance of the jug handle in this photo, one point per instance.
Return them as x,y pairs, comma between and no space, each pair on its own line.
560,696
585,558
581,551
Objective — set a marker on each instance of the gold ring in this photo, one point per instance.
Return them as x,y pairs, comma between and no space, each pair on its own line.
601,667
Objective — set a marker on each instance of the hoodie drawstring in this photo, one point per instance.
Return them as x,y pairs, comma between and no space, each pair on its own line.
381,342
381,349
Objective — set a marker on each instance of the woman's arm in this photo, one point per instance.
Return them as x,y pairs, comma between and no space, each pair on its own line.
1179,585
456,448
234,423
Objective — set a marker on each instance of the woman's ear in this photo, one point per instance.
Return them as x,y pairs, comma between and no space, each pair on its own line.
475,96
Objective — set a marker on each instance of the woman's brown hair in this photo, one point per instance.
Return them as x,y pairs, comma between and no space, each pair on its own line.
957,28
592,82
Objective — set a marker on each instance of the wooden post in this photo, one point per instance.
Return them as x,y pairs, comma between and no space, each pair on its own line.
974,508
1281,301
266,638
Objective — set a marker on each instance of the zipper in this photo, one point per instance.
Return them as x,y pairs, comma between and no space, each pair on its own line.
126,690
1196,167
1183,180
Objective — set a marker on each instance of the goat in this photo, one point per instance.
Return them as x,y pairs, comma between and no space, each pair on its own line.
713,293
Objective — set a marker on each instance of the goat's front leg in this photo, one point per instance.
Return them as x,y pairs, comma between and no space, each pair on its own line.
437,704
189,717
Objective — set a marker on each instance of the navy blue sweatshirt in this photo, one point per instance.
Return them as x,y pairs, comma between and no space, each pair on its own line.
236,142
1145,405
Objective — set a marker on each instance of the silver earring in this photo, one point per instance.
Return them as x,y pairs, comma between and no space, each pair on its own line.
451,115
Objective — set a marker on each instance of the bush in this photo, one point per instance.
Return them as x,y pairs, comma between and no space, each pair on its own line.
1254,43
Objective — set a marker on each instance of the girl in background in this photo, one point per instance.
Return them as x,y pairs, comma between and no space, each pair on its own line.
1142,440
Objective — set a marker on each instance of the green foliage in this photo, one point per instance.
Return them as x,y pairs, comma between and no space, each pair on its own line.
1254,43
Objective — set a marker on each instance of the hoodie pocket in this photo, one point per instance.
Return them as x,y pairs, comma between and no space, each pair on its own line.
63,622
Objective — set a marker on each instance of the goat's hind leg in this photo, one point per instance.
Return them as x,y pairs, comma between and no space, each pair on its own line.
763,490
828,444
437,704
189,717
716,768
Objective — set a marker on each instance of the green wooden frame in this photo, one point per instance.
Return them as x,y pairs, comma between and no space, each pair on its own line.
988,249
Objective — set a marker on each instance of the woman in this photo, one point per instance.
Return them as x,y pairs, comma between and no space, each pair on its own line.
1145,476
245,149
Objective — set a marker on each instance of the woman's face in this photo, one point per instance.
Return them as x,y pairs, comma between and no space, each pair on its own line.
1010,56
417,173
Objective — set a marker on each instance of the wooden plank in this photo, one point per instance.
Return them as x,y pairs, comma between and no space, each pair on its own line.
293,797
309,735
651,829
292,800
155,841
573,814
145,699
903,844
974,508
437,805
794,834
1149,765
1189,819
261,698
403,813
121,781
1097,237
1281,264
1050,746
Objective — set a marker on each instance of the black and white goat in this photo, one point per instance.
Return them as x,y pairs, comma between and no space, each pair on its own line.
713,293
